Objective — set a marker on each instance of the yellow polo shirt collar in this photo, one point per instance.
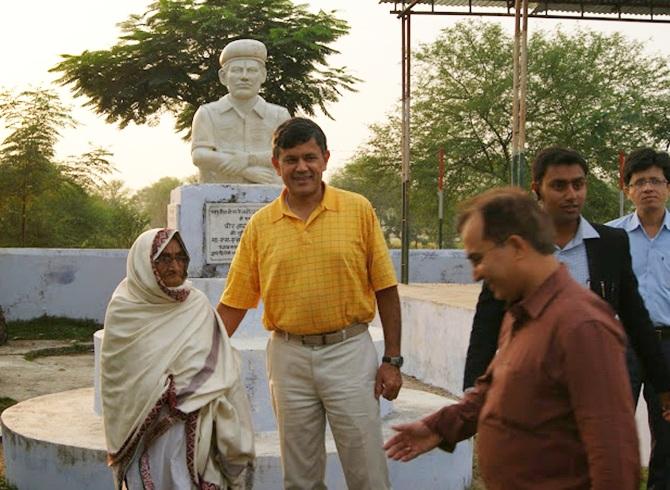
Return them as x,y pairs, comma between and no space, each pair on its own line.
279,208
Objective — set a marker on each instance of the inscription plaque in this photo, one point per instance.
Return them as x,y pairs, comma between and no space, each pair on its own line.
224,224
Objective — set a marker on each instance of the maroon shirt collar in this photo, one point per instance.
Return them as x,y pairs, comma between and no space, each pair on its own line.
532,306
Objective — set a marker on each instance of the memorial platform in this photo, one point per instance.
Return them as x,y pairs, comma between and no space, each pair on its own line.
57,442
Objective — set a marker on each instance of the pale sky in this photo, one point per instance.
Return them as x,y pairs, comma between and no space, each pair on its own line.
33,33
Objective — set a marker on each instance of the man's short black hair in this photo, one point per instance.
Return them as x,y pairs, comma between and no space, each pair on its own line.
644,158
296,131
556,155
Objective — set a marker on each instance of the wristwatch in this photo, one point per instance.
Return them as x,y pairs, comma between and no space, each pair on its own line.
394,360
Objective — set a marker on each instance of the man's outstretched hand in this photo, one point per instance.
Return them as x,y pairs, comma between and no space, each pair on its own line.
411,441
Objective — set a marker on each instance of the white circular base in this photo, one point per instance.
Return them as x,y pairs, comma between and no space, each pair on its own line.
57,442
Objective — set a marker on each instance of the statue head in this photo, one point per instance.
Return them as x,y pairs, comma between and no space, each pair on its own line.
243,67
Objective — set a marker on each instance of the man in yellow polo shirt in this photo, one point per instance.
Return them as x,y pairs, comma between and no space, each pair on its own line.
316,256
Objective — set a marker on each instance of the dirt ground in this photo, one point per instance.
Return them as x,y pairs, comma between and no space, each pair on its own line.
22,379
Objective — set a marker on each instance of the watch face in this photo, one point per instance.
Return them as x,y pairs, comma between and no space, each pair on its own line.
396,361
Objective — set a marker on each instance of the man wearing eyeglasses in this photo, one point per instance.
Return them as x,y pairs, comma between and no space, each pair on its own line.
646,174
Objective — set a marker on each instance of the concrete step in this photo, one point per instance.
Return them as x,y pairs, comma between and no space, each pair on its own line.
57,442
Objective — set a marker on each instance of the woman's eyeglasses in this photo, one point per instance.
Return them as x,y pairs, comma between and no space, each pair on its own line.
166,259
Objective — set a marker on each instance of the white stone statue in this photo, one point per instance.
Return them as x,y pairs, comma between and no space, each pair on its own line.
232,137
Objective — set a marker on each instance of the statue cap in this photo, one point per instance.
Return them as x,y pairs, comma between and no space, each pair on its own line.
244,48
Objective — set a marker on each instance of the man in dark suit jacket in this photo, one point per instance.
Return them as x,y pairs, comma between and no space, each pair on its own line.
596,255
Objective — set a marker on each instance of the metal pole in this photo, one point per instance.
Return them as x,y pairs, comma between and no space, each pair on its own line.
406,54
440,198
621,183
523,92
515,92
440,218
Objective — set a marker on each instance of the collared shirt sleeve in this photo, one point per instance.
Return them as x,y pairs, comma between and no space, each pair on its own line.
242,284
380,268
203,130
594,368
457,422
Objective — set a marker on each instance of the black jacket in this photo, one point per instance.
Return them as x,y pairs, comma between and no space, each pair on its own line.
612,278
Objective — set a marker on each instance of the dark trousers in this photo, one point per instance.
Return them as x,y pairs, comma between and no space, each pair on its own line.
659,459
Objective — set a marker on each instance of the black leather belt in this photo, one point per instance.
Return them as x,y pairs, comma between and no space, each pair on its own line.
662,332
327,338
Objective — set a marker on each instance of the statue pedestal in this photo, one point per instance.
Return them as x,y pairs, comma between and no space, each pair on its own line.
211,218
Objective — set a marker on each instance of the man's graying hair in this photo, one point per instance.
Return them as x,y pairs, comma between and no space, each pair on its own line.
508,211
296,131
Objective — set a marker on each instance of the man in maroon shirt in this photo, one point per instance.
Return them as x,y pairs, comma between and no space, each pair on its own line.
551,411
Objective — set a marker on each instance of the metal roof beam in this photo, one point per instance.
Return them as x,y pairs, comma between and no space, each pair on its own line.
539,15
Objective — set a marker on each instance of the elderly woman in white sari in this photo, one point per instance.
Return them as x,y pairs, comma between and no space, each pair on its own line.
175,412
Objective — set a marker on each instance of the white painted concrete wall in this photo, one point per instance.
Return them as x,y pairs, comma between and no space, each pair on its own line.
435,266
61,282
79,282
435,340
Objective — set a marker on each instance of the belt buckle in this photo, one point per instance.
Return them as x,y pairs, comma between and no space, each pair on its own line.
312,343
323,338
342,337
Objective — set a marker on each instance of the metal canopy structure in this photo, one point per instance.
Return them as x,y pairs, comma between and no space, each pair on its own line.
622,10
657,11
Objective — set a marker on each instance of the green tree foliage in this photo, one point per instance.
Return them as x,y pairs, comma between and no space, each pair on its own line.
46,203
118,219
34,120
596,93
167,59
153,199
88,170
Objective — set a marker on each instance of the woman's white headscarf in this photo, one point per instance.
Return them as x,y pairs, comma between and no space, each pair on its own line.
166,345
